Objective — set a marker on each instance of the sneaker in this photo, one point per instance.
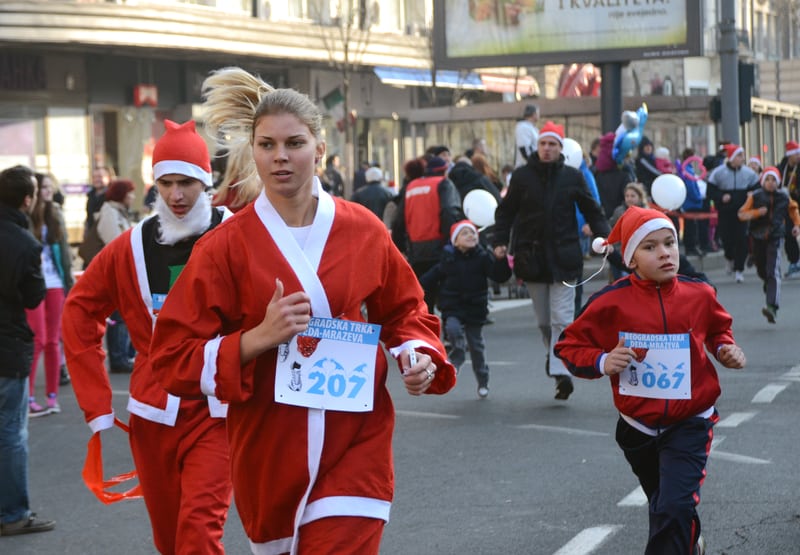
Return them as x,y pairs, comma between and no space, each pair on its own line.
793,271
729,267
52,404
770,313
36,410
28,525
124,368
700,546
483,392
64,378
739,278
564,387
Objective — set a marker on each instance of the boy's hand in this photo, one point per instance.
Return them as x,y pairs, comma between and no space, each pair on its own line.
731,356
618,359
795,231
762,210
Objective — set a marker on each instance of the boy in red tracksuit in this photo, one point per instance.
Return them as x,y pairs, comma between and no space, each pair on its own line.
649,333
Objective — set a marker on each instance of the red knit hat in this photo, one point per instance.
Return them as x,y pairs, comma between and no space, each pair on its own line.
773,171
792,148
731,151
458,226
118,189
554,130
181,150
634,225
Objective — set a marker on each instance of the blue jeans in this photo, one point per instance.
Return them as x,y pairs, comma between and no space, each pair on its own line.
14,505
461,337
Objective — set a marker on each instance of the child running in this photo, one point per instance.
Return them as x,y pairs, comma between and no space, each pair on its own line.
461,278
767,209
649,333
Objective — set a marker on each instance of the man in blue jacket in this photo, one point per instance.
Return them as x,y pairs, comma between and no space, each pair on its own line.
21,286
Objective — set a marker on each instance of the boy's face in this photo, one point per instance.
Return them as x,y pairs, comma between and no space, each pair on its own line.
656,257
466,239
770,183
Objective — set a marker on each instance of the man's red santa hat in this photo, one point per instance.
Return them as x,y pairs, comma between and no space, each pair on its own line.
634,225
792,148
181,150
553,130
456,228
773,171
731,151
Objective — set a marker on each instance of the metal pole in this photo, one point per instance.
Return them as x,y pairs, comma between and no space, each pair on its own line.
610,96
729,69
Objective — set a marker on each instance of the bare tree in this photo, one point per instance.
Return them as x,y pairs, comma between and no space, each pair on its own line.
345,33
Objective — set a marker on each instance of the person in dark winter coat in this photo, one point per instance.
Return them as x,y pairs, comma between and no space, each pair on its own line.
461,279
610,179
539,211
374,195
646,170
466,178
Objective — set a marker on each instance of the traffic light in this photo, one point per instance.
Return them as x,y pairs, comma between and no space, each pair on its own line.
747,80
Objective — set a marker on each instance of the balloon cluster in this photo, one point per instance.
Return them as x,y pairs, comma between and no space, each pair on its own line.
629,133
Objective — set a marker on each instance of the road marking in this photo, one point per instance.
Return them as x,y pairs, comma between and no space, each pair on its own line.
420,414
769,392
588,540
733,457
792,375
497,305
570,431
636,498
735,419
120,392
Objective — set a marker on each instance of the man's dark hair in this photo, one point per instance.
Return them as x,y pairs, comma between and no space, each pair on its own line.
530,109
16,183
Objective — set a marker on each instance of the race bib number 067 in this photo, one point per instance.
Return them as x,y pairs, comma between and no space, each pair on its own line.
661,369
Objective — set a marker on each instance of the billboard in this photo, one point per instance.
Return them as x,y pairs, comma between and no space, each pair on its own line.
494,33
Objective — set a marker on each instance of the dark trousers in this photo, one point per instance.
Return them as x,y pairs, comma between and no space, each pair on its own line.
767,258
462,336
790,244
671,468
118,341
734,238
695,232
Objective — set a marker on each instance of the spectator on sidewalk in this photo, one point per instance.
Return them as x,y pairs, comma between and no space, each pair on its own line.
526,135
21,286
374,195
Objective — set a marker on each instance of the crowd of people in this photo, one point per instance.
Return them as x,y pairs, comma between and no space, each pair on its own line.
216,387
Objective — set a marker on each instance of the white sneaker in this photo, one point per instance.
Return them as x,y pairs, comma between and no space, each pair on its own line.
739,277
483,392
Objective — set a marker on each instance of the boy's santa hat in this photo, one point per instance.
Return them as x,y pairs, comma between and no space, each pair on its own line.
634,225
456,228
181,150
755,160
553,130
731,151
773,171
792,148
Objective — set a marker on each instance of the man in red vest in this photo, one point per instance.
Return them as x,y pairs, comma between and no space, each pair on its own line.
430,205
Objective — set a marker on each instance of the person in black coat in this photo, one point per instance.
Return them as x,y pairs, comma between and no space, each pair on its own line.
539,212
461,279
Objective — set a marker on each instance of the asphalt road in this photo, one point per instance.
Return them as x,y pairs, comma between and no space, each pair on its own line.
517,473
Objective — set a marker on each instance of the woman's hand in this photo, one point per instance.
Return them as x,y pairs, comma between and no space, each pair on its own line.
284,318
417,377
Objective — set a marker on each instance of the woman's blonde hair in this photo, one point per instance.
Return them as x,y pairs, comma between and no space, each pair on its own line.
235,101
638,188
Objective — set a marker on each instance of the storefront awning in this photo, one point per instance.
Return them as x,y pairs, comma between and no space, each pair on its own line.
525,84
402,77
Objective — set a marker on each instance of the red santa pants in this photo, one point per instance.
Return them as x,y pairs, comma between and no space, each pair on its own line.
185,476
341,535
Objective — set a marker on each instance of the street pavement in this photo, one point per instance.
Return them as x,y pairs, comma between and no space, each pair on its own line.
517,473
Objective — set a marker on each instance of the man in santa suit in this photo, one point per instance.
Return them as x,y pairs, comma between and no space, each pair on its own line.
179,445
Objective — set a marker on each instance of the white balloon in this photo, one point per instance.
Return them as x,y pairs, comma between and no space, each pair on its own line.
573,153
668,191
479,206
599,245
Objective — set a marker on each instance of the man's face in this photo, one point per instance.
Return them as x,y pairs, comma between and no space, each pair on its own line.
445,155
179,192
792,160
738,161
100,178
549,149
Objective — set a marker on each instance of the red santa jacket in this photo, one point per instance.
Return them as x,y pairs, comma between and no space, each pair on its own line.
116,280
682,305
292,465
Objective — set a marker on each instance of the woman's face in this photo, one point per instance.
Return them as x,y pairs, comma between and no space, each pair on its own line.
46,190
129,198
286,153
